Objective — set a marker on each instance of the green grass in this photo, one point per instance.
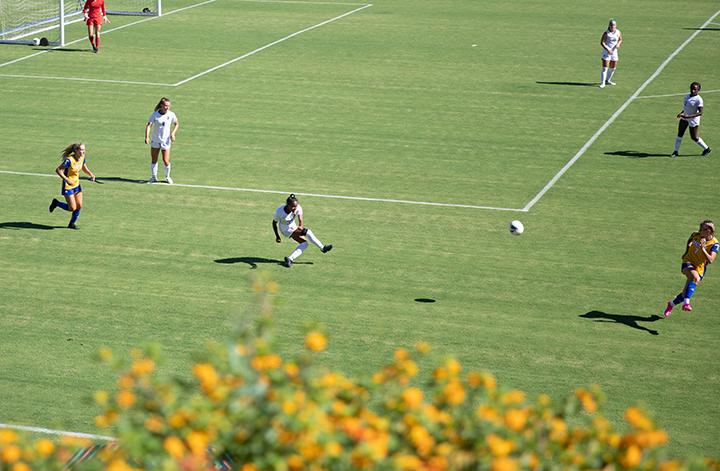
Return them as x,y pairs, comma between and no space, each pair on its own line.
391,102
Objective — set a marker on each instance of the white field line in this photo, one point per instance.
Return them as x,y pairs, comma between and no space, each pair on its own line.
81,79
107,31
213,69
615,115
301,2
316,195
704,92
25,428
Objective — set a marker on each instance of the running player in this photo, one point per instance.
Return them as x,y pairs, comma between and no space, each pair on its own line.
73,160
164,125
690,116
610,42
702,248
95,15
285,218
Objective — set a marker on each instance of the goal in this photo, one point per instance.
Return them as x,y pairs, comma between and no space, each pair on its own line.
43,22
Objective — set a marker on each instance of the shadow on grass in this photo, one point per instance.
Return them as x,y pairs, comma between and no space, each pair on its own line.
703,29
254,261
572,84
635,154
62,49
120,179
26,225
630,321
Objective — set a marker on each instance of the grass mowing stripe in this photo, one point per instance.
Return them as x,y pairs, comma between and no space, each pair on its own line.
615,115
83,79
25,428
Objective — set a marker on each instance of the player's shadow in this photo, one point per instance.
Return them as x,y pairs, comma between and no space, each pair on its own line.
572,84
703,29
26,225
630,321
120,179
254,261
636,154
62,49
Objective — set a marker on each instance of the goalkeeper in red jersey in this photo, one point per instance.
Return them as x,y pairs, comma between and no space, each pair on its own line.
95,15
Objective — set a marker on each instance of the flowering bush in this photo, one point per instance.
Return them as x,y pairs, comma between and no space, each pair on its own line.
248,408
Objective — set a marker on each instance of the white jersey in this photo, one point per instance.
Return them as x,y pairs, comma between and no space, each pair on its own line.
286,221
612,39
692,104
161,124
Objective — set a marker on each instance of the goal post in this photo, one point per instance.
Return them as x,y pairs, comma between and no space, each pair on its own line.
43,22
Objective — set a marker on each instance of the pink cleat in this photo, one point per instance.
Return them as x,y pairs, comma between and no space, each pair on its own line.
687,307
669,309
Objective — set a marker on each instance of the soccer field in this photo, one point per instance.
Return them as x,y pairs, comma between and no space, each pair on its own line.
412,131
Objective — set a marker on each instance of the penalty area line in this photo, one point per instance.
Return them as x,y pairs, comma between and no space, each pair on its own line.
615,115
315,195
289,36
82,79
646,97
25,428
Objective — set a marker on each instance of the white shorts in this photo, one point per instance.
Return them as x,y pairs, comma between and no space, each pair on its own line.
609,57
287,231
163,144
693,122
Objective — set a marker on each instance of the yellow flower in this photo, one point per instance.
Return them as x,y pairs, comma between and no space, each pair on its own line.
637,419
513,397
248,467
198,442
118,465
498,445
154,423
10,454
292,370
488,413
315,341
544,400
125,382
558,430
105,354
422,347
401,355
587,400
515,419
632,457
651,438
266,362
101,397
672,465
333,449
454,393
504,464
413,397
44,447
207,375
143,367
422,440
174,446
20,467
453,367
125,399
407,462
295,462
7,436
409,367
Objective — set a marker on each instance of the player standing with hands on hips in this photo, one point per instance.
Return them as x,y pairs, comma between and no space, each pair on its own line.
285,219
164,125
610,42
95,15
73,160
690,117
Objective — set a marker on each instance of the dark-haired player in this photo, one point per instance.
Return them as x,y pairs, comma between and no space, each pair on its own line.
690,117
285,220
73,161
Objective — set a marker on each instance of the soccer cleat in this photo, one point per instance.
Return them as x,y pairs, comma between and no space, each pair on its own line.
706,152
602,85
687,307
72,226
170,181
327,248
610,82
53,205
668,309
152,180
95,50
674,154
288,262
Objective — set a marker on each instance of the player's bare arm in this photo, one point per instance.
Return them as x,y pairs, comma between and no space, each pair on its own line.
275,230
147,133
88,172
172,134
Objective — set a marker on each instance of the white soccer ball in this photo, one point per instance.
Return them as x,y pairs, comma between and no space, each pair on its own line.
36,41
516,227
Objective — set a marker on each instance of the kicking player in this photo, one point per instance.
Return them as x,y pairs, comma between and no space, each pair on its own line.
702,248
73,160
285,218
610,42
164,126
690,116
95,15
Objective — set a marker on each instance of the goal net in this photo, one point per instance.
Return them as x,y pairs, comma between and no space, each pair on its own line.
29,21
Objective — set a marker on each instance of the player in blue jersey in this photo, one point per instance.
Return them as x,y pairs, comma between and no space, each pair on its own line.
73,161
702,249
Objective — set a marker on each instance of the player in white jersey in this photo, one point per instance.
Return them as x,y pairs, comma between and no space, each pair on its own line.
164,125
610,42
285,220
690,117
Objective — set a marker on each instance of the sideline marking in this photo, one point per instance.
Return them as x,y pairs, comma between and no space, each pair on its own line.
301,2
213,69
81,79
287,192
25,428
704,92
615,115
107,31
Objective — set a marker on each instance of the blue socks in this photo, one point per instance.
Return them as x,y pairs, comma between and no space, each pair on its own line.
686,293
75,216
63,205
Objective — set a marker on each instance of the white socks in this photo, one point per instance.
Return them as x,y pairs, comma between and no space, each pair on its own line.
314,239
167,170
700,142
603,76
298,251
610,73
153,170
678,141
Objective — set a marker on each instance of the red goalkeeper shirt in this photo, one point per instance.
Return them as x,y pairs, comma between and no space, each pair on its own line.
94,8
